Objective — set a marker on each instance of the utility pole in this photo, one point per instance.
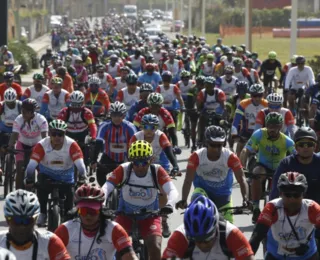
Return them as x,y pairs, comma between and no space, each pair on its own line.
190,17
4,23
248,24
181,15
203,18
166,6
294,29
316,5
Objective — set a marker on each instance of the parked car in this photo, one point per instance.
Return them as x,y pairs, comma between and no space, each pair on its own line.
146,15
168,16
153,32
177,25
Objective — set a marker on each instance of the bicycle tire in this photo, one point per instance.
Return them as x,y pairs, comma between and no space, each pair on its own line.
145,253
54,218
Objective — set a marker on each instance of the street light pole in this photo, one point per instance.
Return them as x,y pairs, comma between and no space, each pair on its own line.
248,24
203,25
294,29
190,17
181,15
4,23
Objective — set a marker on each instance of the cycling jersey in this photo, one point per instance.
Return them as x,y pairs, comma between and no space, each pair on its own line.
128,99
165,118
56,164
79,122
116,139
137,63
15,86
159,143
106,80
174,67
281,242
208,70
51,105
114,240
50,247
31,92
242,75
98,103
227,62
268,68
67,83
153,79
270,152
185,88
212,102
157,56
236,242
169,95
8,116
254,76
227,86
82,74
215,177
233,103
297,79
113,71
30,133
119,83
131,114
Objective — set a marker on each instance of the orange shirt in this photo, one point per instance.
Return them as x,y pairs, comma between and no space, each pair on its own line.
68,83
15,86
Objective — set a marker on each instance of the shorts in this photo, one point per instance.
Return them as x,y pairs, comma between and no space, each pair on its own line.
26,148
268,170
147,227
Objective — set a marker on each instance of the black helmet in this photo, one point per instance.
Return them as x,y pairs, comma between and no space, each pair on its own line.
8,75
30,104
300,59
305,132
242,86
146,87
215,134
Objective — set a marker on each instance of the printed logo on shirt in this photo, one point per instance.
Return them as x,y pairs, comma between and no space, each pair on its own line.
95,254
141,193
301,232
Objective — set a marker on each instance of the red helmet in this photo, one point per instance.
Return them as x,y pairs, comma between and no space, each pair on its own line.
89,192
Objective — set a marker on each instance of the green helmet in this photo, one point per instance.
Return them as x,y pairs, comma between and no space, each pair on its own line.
200,79
237,61
210,56
210,80
274,118
57,80
256,89
155,99
38,76
185,74
198,192
132,78
58,124
272,55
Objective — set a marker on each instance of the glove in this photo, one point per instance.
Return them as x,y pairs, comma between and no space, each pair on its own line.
174,171
166,210
182,204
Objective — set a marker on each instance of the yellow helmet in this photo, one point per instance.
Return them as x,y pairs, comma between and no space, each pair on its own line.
140,149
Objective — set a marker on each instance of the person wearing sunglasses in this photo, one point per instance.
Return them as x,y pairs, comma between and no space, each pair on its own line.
245,117
106,80
90,235
150,76
271,146
211,168
140,181
275,102
56,156
288,222
205,235
21,210
162,154
227,82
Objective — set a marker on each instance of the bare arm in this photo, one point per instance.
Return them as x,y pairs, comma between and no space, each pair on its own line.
241,179
244,156
187,183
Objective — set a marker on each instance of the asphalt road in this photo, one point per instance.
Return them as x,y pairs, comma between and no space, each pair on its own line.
241,221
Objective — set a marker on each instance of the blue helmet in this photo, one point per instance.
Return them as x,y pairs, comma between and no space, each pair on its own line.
150,119
201,218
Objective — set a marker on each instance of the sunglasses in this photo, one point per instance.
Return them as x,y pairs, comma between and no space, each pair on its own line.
295,195
257,95
59,134
306,144
88,211
215,145
149,127
21,220
141,163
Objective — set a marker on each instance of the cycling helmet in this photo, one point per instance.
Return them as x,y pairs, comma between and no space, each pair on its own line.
204,51
38,76
146,87
249,62
61,70
57,81
218,50
229,69
198,192
210,56
254,54
292,180
237,61
5,254
150,119
227,51
58,124
274,118
294,59
8,75
242,86
300,59
140,149
21,203
275,98
125,68
77,97
256,89
132,78
305,132
94,81
201,218
185,74
215,134
166,73
10,95
118,107
89,192
30,104
272,55
155,99
68,58
210,80
200,79
114,57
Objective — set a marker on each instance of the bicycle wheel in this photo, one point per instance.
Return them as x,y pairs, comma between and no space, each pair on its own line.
54,218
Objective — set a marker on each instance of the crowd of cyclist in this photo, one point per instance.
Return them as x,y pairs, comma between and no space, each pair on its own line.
113,103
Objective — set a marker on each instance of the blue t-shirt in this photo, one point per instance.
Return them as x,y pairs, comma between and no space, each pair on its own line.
153,79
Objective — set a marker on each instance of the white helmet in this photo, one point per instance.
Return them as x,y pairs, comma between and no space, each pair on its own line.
292,179
94,80
275,98
118,107
77,97
5,254
10,95
21,203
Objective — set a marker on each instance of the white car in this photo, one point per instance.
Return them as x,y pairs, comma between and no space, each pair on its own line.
153,32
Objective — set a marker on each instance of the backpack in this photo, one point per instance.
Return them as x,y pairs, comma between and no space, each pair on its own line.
81,114
222,240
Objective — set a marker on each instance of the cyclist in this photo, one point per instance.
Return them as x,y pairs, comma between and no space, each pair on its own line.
288,223
134,176
82,73
256,62
275,102
227,82
8,83
212,168
271,146
67,82
46,58
56,156
145,90
174,66
21,210
28,129
99,237
96,99
37,90
138,61
113,139
113,67
106,80
130,94
120,82
208,67
150,76
204,235
54,100
254,75
245,115
241,73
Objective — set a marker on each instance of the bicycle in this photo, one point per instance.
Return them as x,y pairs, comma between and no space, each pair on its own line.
237,210
186,129
300,98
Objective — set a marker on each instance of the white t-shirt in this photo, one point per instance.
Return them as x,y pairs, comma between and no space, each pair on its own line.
299,78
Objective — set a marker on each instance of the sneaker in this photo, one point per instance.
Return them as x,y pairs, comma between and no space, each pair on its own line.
255,215
165,228
42,220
